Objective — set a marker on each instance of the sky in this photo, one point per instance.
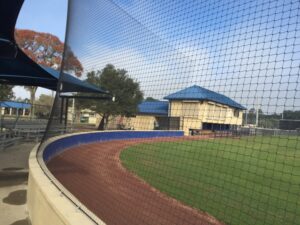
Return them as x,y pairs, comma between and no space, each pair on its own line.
44,16
248,50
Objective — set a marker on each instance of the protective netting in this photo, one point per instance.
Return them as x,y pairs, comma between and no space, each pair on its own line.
226,73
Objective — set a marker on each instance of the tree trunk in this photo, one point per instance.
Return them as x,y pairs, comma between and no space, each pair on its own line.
32,100
103,122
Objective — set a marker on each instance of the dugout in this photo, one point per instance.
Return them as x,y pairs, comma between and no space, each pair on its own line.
215,126
286,124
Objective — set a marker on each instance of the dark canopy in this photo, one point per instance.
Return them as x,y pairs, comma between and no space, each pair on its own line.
16,68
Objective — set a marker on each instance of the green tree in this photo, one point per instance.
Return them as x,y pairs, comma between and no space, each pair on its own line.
45,49
43,105
251,115
150,99
292,115
6,92
126,92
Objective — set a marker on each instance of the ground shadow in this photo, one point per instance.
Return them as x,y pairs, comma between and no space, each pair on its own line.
21,222
12,168
12,182
16,198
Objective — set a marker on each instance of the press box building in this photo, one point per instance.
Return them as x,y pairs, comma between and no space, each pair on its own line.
191,108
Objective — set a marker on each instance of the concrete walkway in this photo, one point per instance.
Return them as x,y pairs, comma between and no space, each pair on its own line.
13,184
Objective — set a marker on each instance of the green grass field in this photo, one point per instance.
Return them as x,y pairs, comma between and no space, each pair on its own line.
252,180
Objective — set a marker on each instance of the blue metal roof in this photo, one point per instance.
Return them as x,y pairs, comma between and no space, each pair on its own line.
18,105
73,84
199,93
154,107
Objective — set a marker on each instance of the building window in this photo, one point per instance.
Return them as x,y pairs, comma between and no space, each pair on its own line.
190,109
210,111
236,112
213,111
216,112
223,113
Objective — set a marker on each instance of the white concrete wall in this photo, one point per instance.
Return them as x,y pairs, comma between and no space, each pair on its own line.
142,122
46,203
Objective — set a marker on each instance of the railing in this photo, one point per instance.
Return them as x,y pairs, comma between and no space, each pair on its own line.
8,139
268,132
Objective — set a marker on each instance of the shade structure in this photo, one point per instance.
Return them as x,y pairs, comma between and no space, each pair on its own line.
16,105
16,68
72,84
23,71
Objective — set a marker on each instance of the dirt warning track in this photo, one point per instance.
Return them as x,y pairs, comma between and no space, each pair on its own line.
94,174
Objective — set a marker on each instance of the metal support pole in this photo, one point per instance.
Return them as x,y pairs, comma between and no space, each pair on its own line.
256,122
66,113
73,111
0,118
61,110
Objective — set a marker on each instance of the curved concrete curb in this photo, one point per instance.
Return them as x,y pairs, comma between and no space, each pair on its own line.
48,201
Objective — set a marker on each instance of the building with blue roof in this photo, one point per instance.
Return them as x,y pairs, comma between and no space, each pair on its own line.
154,108
193,108
202,94
12,108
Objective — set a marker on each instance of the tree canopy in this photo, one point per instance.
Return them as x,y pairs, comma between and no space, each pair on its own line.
151,99
43,105
46,49
291,115
6,92
126,92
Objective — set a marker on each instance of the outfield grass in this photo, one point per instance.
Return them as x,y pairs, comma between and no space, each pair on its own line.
253,180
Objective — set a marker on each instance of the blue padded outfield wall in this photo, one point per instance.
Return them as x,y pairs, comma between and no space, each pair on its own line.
63,143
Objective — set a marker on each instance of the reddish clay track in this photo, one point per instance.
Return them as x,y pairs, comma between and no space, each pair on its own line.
93,173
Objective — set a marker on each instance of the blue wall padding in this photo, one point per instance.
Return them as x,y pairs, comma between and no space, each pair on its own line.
59,145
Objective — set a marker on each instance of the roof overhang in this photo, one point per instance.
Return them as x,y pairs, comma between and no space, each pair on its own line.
16,68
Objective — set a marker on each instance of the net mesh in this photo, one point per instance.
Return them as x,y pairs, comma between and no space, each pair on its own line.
226,73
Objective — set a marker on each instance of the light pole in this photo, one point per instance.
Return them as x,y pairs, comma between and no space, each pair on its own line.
258,106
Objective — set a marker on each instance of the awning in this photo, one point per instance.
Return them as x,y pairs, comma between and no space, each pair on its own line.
16,68
72,84
17,105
